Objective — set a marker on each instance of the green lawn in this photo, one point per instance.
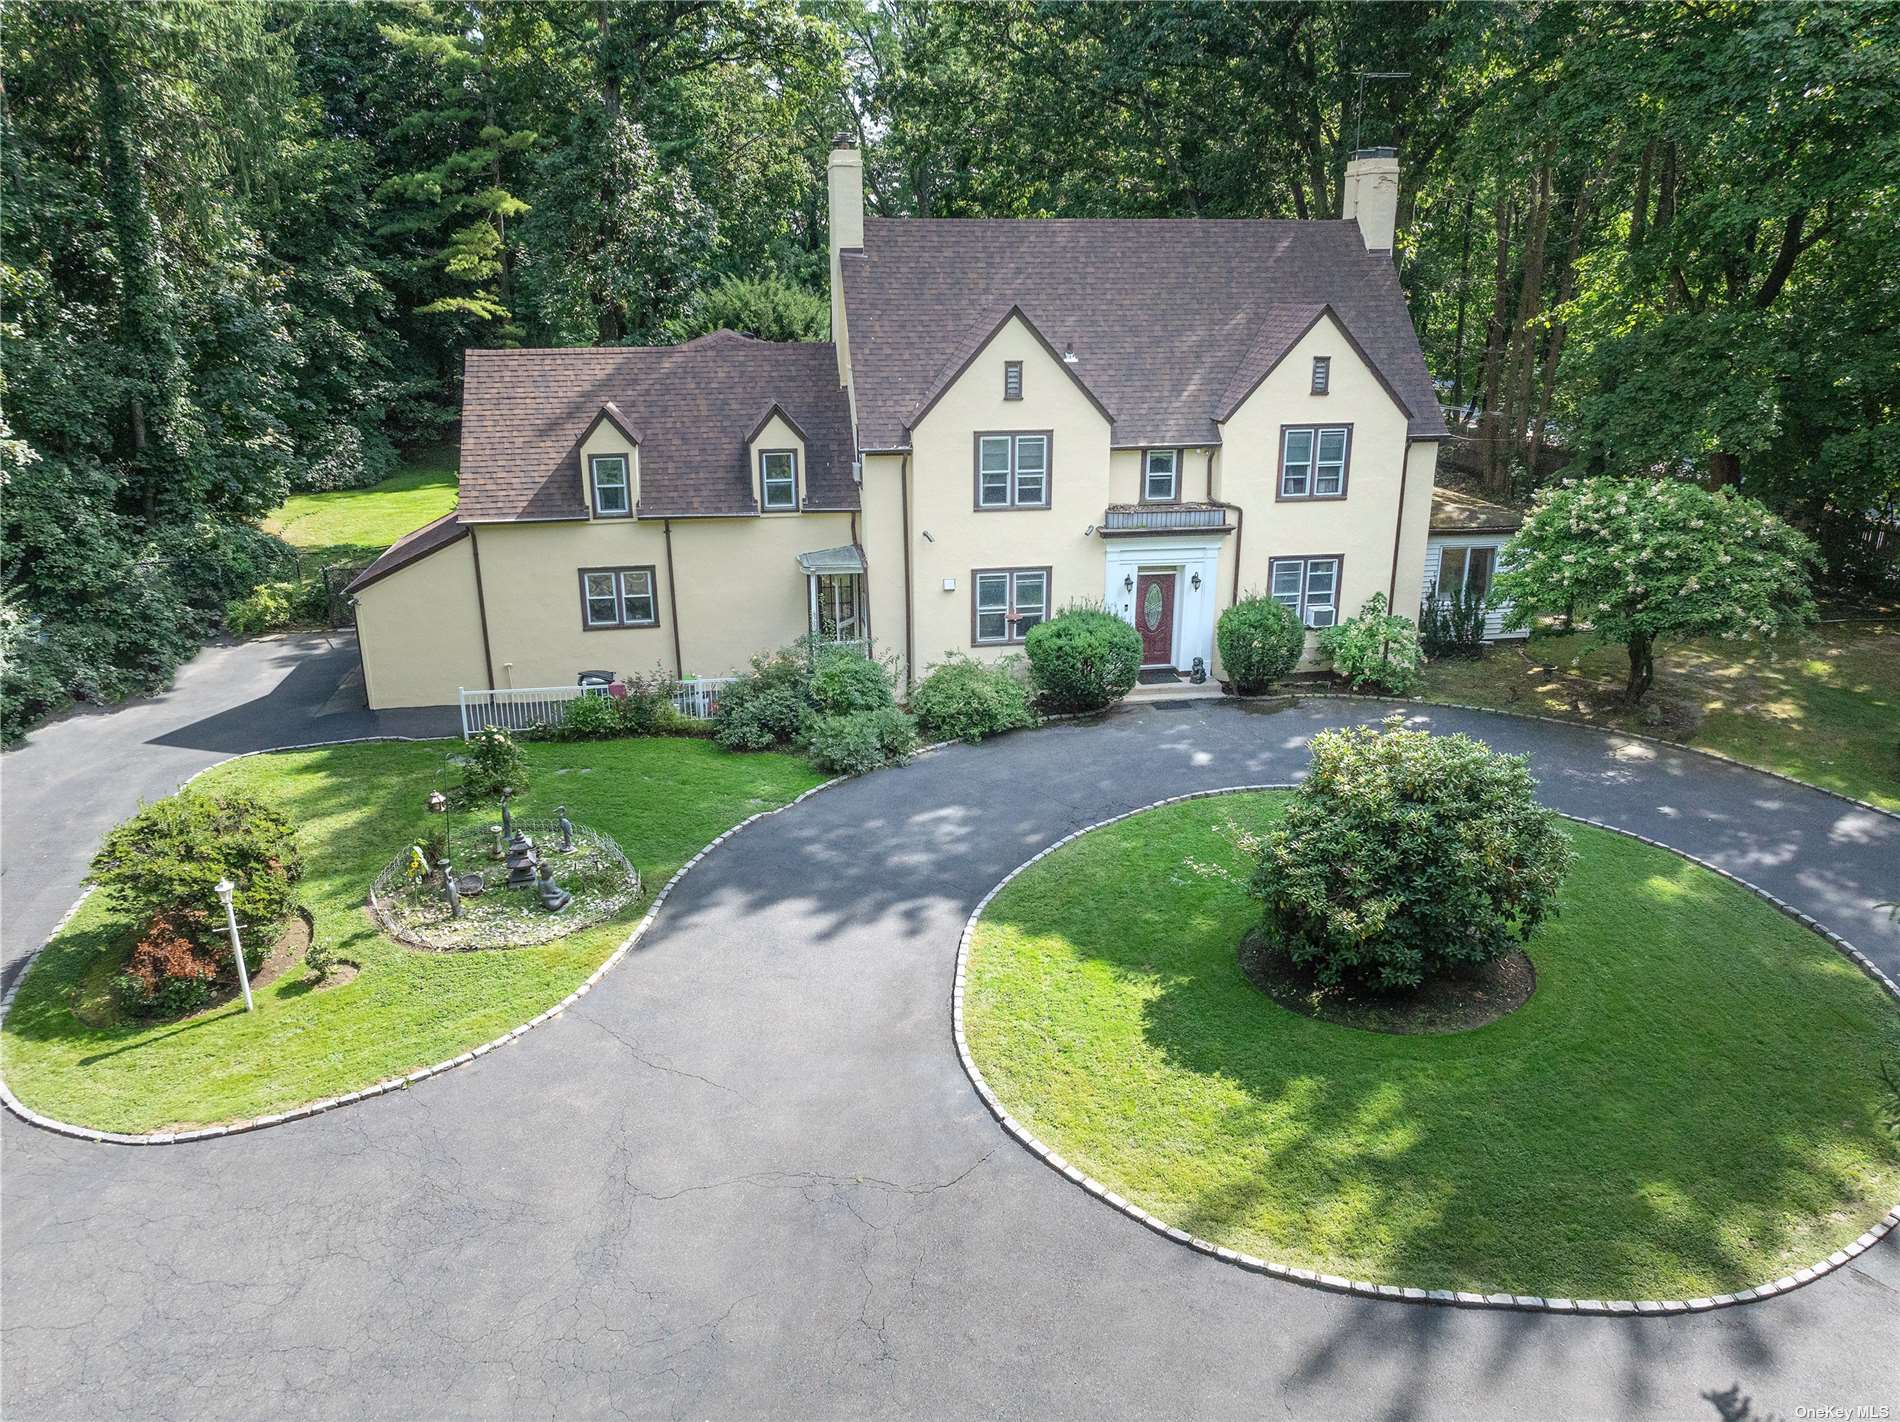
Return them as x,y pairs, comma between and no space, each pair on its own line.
355,806
354,525
1821,705
1687,1105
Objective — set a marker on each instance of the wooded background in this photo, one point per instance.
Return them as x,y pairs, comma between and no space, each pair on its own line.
243,245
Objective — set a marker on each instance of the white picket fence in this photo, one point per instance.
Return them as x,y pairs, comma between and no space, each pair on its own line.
521,708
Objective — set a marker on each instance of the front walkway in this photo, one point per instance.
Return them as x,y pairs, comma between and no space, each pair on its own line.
746,1174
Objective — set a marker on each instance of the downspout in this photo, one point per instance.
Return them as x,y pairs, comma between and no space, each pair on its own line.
910,591
1398,527
362,662
1240,517
481,608
673,600
864,586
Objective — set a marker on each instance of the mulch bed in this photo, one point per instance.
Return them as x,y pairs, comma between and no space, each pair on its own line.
1457,1003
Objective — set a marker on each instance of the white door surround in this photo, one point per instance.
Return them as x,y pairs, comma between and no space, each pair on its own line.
1194,607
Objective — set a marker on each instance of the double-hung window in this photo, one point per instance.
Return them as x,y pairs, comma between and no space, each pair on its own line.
1308,586
1006,603
778,480
1313,461
1466,570
618,597
1161,476
612,485
1012,471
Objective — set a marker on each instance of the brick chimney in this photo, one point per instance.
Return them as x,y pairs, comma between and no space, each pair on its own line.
844,181
1371,196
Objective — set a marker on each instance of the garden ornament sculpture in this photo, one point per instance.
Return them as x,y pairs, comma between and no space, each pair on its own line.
507,820
451,890
567,829
553,897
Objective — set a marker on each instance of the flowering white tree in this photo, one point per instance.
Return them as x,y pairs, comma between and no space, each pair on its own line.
1645,561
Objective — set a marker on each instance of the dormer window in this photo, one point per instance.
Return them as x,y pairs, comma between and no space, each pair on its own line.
1161,476
778,480
1012,380
612,485
1322,374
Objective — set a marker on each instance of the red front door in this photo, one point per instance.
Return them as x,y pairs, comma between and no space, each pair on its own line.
1154,618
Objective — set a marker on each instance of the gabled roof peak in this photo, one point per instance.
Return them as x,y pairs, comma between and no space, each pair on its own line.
977,338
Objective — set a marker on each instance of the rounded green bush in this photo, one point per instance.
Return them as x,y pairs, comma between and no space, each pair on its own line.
1083,659
857,741
169,857
962,699
844,681
1260,642
765,707
1404,855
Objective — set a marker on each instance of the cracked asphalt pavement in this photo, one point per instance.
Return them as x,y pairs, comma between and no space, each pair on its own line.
746,1176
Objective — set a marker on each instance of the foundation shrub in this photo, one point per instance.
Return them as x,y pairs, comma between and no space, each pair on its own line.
963,699
1260,642
860,741
1083,659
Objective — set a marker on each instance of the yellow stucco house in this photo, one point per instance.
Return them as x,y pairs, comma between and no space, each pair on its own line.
1160,415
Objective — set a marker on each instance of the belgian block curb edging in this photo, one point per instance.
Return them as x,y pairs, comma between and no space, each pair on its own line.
1527,1303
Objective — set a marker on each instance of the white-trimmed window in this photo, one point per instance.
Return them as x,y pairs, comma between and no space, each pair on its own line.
1006,603
1466,570
1161,476
618,597
1308,586
778,480
613,494
1313,460
1012,471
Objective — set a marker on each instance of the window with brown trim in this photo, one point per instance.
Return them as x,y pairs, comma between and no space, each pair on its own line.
778,480
619,597
1309,587
1161,476
612,480
1005,603
1322,374
1012,380
1012,469
1313,461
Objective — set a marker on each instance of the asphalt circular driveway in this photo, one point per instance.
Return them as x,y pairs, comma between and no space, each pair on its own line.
746,1175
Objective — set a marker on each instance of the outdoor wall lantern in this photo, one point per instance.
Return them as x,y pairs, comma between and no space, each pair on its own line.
1195,582
1128,582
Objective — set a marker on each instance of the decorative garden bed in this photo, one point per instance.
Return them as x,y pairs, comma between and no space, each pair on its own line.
410,902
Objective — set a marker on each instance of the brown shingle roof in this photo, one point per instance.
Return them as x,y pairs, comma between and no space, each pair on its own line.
525,413
1454,511
408,548
1166,316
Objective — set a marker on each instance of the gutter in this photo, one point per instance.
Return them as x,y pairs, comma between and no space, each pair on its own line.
910,588
1240,517
864,586
481,607
673,600
1398,526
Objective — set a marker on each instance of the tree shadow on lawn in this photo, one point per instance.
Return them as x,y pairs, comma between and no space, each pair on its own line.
1640,1128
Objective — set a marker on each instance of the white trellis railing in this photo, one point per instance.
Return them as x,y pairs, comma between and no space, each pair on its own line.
698,697
518,708
522,708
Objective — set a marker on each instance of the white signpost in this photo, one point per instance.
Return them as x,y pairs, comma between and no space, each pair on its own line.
225,888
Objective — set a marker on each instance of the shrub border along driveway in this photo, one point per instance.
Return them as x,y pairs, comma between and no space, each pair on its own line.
394,1083
1399,1293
